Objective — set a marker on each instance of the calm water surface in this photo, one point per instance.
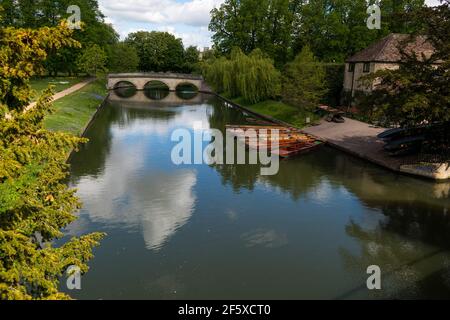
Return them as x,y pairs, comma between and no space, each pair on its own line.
207,232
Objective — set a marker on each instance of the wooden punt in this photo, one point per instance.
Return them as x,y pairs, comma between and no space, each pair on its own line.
256,128
290,141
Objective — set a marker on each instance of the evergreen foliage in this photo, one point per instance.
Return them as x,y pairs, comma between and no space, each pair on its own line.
35,202
22,52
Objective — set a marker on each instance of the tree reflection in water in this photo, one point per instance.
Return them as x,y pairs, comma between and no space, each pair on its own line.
400,223
410,241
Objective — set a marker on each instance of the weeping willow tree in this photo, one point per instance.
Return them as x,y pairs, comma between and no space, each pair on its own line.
252,76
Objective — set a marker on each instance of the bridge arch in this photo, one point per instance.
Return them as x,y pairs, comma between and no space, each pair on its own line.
156,85
124,84
156,90
125,89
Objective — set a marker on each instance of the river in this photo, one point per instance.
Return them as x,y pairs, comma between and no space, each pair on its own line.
227,232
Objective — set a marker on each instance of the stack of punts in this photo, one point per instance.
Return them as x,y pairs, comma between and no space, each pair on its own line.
410,141
290,141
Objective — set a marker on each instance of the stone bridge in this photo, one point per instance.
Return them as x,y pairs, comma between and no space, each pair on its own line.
172,80
140,99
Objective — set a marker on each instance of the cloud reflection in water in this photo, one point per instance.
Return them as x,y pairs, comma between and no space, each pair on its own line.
130,194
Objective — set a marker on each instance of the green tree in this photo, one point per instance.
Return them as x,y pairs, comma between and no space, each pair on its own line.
49,13
92,61
279,26
227,25
122,58
418,91
333,29
191,59
9,12
336,29
22,54
35,202
304,81
251,24
157,51
253,76
393,11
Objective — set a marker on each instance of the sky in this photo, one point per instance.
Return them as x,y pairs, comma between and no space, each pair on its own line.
186,19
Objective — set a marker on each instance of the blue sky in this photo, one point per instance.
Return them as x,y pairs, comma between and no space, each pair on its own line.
186,19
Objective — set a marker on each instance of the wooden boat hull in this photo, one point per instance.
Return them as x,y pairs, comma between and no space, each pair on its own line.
289,142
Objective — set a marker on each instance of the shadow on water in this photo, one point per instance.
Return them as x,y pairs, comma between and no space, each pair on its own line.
416,209
156,94
353,213
156,90
125,92
410,241
186,95
416,214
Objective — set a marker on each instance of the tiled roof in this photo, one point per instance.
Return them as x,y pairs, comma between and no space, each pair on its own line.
386,49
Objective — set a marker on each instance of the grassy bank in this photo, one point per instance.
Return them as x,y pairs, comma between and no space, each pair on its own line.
73,112
281,111
59,84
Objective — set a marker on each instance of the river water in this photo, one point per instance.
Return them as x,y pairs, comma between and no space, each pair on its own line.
226,232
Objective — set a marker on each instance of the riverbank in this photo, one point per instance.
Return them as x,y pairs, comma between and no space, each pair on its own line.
59,84
360,139
276,111
354,137
74,112
58,95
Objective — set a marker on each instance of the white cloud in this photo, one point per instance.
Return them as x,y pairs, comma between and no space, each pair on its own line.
200,38
187,19
432,3
193,13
